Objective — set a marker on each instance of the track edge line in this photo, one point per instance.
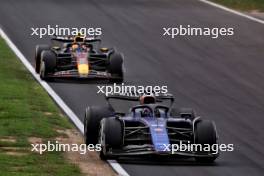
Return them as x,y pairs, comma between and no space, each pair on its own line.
114,164
232,11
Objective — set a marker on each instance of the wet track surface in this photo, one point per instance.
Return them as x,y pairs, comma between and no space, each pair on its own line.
222,79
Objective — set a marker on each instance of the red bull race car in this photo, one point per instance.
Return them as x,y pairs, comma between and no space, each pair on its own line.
150,128
78,57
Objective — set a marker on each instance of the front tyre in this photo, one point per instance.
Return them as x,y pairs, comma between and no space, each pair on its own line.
48,64
38,51
116,67
110,136
93,116
205,133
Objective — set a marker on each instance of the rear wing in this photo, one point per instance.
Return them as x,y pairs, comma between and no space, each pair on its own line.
70,39
159,98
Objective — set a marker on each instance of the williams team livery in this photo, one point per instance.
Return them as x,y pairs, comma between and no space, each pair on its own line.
148,128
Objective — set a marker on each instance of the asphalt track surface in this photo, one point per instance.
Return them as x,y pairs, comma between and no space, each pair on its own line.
222,79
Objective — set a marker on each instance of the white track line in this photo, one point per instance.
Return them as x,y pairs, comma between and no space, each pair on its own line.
50,91
232,11
117,167
114,164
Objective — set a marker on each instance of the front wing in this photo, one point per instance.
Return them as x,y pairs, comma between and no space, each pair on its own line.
75,74
144,150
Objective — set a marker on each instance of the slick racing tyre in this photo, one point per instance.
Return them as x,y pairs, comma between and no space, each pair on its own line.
92,118
111,136
38,51
116,67
205,133
48,64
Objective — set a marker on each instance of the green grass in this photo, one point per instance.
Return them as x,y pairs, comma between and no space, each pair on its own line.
26,111
246,5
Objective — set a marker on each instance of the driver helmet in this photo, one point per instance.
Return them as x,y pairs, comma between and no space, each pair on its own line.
79,38
75,46
147,100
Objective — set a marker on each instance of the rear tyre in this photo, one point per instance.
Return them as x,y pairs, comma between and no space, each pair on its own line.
93,116
116,67
205,133
48,64
111,136
38,51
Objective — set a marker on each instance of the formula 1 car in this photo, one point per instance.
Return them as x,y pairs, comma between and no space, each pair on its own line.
149,128
78,57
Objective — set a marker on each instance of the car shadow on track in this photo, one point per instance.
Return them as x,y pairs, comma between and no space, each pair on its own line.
81,81
165,161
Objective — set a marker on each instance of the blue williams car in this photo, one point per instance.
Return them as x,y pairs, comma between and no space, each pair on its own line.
151,127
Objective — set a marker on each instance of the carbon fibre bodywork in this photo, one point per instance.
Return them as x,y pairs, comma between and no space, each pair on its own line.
87,61
155,132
